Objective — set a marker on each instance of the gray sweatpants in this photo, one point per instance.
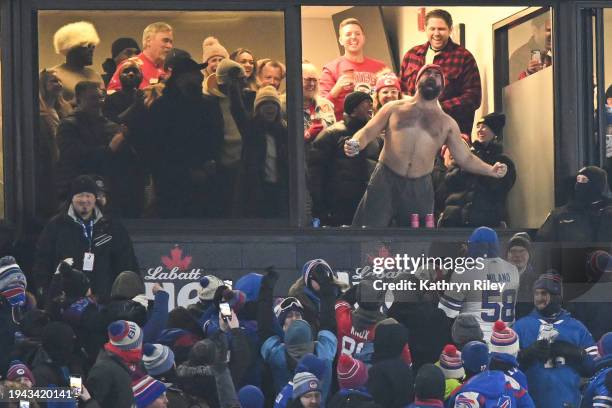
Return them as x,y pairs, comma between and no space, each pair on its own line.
390,195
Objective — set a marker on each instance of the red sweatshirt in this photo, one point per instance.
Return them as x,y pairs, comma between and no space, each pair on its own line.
365,72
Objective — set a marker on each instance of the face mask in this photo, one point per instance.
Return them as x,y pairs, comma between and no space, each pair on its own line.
553,307
429,89
587,192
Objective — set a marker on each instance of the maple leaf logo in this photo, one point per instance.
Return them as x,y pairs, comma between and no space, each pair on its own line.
176,259
383,252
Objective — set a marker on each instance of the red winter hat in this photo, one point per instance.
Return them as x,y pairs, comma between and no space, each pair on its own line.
352,373
18,370
388,79
428,67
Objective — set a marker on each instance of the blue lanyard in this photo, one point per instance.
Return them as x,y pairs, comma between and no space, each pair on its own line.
88,232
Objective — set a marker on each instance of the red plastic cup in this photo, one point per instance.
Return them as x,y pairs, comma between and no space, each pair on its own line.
429,221
414,220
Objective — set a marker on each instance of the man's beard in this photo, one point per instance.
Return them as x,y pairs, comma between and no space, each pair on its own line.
429,89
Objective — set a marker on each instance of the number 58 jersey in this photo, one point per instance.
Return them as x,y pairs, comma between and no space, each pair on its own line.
489,294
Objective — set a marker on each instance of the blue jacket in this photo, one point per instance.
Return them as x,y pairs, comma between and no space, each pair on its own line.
596,391
284,396
492,389
274,353
513,372
559,385
158,318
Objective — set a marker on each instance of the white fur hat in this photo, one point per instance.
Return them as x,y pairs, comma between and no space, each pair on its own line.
74,35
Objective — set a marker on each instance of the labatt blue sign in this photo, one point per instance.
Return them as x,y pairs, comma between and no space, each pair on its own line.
176,276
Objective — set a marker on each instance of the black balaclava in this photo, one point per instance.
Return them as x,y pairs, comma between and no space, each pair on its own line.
594,189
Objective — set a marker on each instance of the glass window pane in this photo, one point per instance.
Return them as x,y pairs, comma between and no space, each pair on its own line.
169,138
530,46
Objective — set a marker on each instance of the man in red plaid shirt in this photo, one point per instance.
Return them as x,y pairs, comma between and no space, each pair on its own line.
462,93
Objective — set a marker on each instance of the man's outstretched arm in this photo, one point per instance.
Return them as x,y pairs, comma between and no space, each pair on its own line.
468,161
366,134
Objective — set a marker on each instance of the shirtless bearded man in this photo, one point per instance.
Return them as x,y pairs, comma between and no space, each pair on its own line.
414,131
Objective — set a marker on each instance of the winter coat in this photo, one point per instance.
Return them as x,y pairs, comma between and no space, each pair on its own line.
335,181
493,389
575,222
274,352
387,382
596,391
47,373
63,238
260,198
83,142
309,300
109,382
429,330
524,301
474,200
347,398
184,132
7,334
560,384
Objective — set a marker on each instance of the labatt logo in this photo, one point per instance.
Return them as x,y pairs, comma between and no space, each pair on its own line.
177,277
176,268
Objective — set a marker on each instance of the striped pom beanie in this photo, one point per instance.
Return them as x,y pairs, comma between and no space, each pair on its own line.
303,383
503,340
146,390
12,282
450,362
208,286
157,358
125,335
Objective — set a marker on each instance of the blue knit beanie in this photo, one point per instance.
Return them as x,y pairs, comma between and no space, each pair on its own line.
299,332
312,364
251,397
475,356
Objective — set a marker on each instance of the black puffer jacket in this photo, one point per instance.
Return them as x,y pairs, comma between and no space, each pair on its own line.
252,187
473,200
63,238
109,382
577,222
335,181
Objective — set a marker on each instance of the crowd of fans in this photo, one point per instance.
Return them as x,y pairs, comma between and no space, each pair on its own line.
324,343
170,137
